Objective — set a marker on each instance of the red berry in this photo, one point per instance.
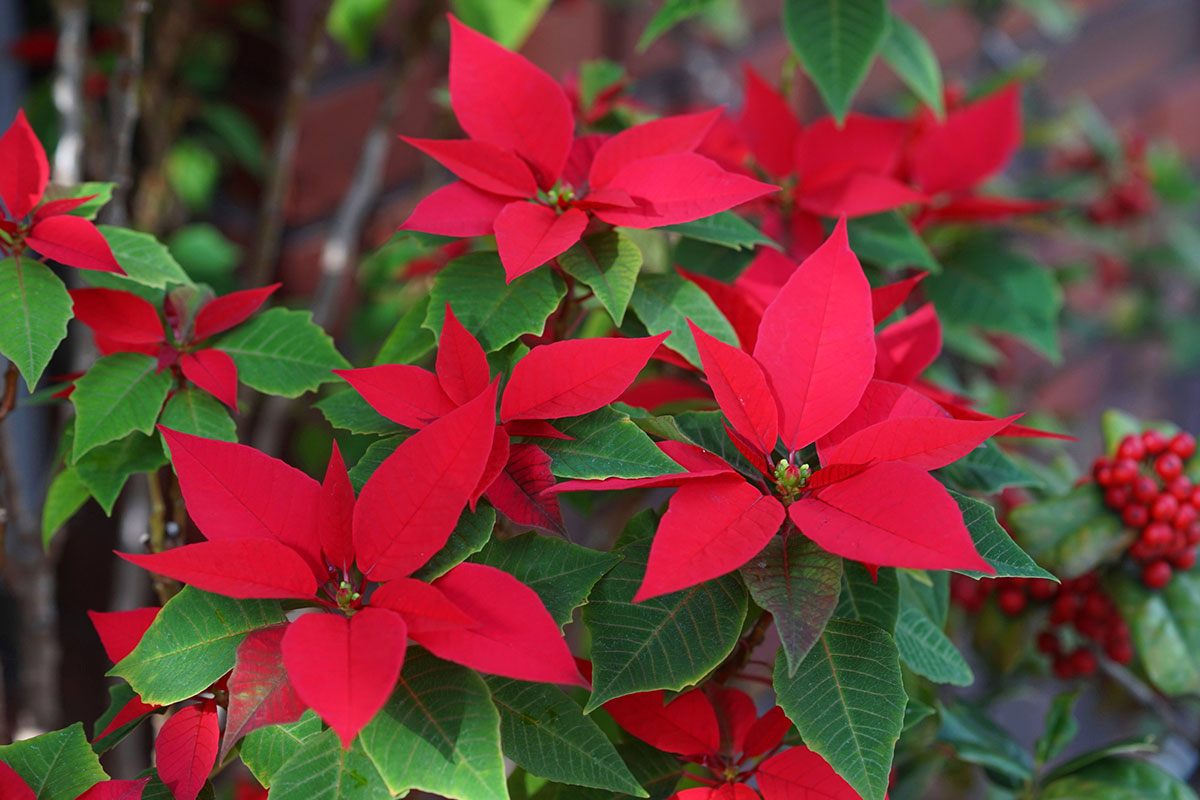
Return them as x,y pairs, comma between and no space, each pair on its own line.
1047,643
1083,662
1185,516
1194,498
1131,447
1157,535
1181,488
1104,476
1096,607
1183,445
1135,516
1120,652
1116,497
1164,507
1184,559
1169,466
1191,534
1145,490
1140,552
1011,600
1063,610
1124,471
1043,590
1156,575
1154,441
1085,583
1098,465
1063,668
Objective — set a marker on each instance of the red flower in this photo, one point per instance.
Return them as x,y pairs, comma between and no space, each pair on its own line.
273,532
528,180
810,381
562,379
124,322
48,227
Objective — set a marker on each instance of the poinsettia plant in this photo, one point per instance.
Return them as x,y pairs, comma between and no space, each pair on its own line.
684,434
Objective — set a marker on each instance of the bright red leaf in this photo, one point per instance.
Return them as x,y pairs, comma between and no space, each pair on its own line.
905,348
336,504
132,710
186,749
222,313
517,490
458,209
13,785
213,371
528,235
926,442
409,395
252,568
768,125
973,143
677,134
118,316
26,171
887,298
485,166
114,790
73,241
425,607
462,367
741,390
120,631
259,691
686,726
766,733
800,774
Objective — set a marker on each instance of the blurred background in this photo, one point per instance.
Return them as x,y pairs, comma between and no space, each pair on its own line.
264,149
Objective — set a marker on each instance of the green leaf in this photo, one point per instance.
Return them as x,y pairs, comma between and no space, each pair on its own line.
847,701
157,790
235,135
909,54
99,191
120,394
283,352
915,712
204,253
889,241
875,601
545,732
985,469
658,773
1071,534
192,171
798,583
669,642
59,765
1165,628
352,23
508,22
198,413
495,312
707,429
994,543
836,41
978,740
1118,779
608,263
439,733
105,469
322,770
192,642
145,259
595,77
370,460
349,411
670,14
66,495
1060,728
991,288
408,341
926,650
265,750
119,696
726,229
472,532
1139,745
712,260
35,308
560,572
666,302
605,444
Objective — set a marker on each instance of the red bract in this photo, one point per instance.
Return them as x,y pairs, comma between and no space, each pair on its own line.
124,322
528,180
872,499
274,532
14,787
186,749
829,170
120,632
949,159
562,379
720,729
46,227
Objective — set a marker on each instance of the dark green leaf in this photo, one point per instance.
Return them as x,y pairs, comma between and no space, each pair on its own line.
205,254
798,583
66,495
985,469
889,241
909,54
847,702
375,454
713,260
267,749
1141,745
283,352
994,543
35,307
669,642
1165,628
1118,779
321,770
347,410
472,532
608,263
197,412
875,601
118,696
99,191
926,650
506,21
1060,728
145,259
666,303
836,40
439,733
105,469
352,24
560,572
605,444
1071,534
978,740
157,790
546,733
726,229
494,311
670,14
192,642
120,394
657,772
597,76
409,340
707,429
58,765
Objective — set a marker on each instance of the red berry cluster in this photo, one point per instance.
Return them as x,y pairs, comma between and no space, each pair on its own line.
1145,484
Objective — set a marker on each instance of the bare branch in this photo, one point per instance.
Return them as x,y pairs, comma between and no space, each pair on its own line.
123,107
270,222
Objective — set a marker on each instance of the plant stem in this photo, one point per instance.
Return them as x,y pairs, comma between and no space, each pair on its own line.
123,108
744,649
67,90
158,532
